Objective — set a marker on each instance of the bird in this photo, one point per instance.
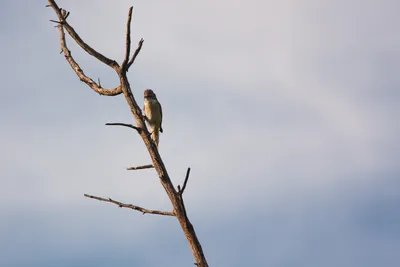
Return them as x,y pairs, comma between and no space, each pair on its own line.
153,114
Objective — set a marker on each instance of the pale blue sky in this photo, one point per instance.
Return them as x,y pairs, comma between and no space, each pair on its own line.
287,112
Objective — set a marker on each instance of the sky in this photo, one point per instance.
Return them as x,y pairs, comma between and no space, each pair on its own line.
286,111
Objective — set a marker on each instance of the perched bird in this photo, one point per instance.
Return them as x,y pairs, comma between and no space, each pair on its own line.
153,114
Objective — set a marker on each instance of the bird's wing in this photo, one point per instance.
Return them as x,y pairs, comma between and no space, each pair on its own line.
159,106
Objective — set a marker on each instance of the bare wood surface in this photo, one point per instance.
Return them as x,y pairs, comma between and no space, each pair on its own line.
148,166
174,196
130,206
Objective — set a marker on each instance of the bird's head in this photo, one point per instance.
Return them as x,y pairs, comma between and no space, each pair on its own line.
148,93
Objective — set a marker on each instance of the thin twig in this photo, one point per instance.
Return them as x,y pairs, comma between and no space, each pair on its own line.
135,54
176,199
128,39
55,21
66,16
130,206
148,166
180,191
126,125
79,40
185,182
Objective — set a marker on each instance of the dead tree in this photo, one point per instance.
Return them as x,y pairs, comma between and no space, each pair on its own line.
175,195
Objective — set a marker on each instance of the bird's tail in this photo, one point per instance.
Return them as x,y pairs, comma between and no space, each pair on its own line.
155,135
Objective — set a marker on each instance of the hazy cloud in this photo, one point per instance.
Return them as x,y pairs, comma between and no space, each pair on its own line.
287,113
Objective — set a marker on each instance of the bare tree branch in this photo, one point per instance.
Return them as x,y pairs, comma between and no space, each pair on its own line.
92,84
130,206
124,124
180,191
185,182
128,40
175,197
55,21
135,54
148,166
78,39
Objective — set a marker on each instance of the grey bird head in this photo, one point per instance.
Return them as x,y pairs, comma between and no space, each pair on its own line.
148,93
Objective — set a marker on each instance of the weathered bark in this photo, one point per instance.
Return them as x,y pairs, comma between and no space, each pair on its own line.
159,166
124,87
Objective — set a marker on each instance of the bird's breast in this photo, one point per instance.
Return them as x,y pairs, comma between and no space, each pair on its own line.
152,111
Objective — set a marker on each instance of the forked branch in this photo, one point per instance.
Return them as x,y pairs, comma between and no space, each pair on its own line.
135,54
130,206
176,198
92,84
78,39
127,63
180,191
124,64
